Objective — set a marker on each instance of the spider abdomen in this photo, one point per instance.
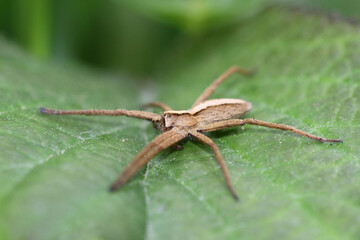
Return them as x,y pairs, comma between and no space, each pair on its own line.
220,109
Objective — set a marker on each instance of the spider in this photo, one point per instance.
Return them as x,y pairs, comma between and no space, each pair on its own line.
204,116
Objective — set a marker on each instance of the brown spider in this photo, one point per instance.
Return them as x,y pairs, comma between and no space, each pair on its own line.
204,116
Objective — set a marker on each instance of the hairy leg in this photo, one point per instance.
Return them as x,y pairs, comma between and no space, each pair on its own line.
161,142
236,122
204,139
161,105
209,90
102,112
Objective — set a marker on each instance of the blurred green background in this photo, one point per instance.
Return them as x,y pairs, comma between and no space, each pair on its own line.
129,35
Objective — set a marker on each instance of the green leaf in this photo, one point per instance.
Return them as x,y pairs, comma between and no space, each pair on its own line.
55,171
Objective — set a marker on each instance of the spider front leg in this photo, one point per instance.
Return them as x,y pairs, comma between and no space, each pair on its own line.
102,112
161,105
161,142
204,139
209,90
239,122
159,126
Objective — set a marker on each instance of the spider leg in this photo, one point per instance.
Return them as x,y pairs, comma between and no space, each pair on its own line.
209,90
239,122
161,105
158,127
221,125
161,142
204,139
102,112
